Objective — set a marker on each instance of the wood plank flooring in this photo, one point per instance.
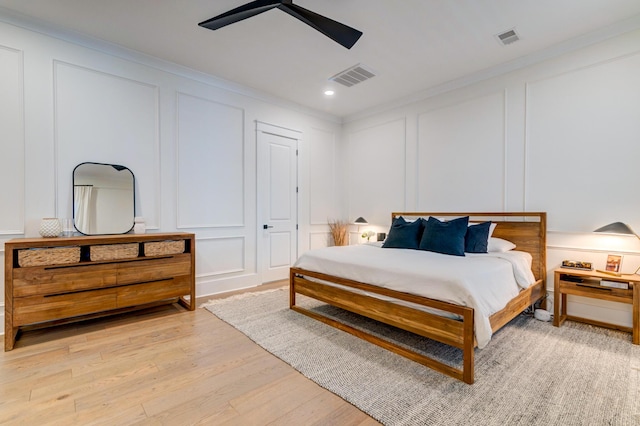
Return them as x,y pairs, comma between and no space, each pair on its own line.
164,365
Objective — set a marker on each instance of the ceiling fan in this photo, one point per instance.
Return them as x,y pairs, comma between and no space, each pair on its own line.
338,32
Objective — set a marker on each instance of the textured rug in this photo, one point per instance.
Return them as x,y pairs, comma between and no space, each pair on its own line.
531,373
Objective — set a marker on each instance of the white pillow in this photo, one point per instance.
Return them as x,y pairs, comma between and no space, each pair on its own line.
500,245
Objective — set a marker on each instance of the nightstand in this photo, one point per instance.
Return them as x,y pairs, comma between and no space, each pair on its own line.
587,284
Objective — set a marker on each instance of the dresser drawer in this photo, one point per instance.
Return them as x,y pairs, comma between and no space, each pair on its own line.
137,294
43,280
153,269
35,309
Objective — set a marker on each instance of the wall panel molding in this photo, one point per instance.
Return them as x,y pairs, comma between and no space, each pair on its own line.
575,121
119,116
319,239
371,193
569,247
12,161
322,176
209,132
217,256
457,164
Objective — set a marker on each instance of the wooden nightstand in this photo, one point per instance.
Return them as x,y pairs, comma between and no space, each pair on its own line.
587,284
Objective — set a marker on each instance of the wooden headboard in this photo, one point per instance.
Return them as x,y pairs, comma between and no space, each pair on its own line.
527,230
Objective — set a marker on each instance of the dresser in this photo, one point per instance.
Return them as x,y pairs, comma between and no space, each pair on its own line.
50,281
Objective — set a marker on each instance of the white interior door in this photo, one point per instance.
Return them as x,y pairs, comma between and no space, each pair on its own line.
277,174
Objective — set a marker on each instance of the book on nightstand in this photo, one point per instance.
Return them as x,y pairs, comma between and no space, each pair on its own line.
614,284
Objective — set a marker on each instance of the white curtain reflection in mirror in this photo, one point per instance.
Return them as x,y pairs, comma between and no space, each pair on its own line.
103,198
83,199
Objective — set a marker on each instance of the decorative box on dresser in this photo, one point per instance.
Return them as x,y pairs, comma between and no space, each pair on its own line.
50,281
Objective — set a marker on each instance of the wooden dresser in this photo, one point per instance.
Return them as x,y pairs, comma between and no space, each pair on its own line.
49,281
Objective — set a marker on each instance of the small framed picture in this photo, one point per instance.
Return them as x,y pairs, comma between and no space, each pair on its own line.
613,263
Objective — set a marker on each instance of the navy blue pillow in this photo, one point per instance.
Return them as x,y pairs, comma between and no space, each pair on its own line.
445,237
477,238
404,234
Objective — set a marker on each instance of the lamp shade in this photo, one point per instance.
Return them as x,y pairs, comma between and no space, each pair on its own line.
361,221
616,228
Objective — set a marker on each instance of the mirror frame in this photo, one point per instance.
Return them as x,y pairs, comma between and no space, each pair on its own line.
133,190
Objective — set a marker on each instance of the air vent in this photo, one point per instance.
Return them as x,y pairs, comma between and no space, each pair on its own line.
352,76
508,37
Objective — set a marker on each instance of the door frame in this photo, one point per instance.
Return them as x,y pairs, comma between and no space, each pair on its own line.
263,127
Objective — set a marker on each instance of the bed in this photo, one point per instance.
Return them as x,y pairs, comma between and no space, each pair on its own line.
450,321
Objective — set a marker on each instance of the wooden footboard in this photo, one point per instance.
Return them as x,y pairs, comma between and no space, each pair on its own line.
456,333
527,230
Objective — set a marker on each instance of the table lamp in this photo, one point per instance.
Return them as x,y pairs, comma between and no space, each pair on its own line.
360,221
617,228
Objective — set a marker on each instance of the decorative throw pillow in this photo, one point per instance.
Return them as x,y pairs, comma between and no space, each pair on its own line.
404,234
492,227
445,237
476,239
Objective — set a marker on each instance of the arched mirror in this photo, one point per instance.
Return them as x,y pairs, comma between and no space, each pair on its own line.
103,199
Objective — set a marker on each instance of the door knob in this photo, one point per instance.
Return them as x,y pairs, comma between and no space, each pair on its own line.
266,226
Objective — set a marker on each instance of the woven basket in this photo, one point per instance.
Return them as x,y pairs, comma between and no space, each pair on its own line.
113,251
159,248
48,256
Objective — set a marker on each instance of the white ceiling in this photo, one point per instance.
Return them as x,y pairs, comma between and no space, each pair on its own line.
414,46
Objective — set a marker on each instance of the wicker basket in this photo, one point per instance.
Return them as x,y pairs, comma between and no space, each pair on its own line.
48,256
160,248
113,251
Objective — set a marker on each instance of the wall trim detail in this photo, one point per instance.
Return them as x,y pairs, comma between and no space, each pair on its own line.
180,225
121,52
591,250
157,164
277,130
226,271
559,49
503,93
21,108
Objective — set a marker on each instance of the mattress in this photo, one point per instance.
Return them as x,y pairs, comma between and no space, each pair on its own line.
485,282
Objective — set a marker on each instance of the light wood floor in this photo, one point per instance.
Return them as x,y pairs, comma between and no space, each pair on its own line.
164,365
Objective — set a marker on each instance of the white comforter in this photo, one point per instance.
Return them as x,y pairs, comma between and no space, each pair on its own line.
485,282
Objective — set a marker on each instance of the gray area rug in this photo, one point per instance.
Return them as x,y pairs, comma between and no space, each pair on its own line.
531,373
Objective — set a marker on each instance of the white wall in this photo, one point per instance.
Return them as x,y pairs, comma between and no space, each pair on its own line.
561,136
190,140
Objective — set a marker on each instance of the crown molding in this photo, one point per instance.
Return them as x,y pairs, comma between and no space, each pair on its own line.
48,29
585,40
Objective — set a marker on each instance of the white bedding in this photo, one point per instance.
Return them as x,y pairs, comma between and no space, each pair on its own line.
485,282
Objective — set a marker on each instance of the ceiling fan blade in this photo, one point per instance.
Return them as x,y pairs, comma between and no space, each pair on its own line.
239,13
336,31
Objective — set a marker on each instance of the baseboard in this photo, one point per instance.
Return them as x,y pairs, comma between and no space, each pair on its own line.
223,285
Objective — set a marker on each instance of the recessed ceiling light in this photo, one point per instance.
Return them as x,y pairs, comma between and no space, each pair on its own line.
329,92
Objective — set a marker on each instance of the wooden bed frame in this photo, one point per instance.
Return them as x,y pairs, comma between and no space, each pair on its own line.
527,230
